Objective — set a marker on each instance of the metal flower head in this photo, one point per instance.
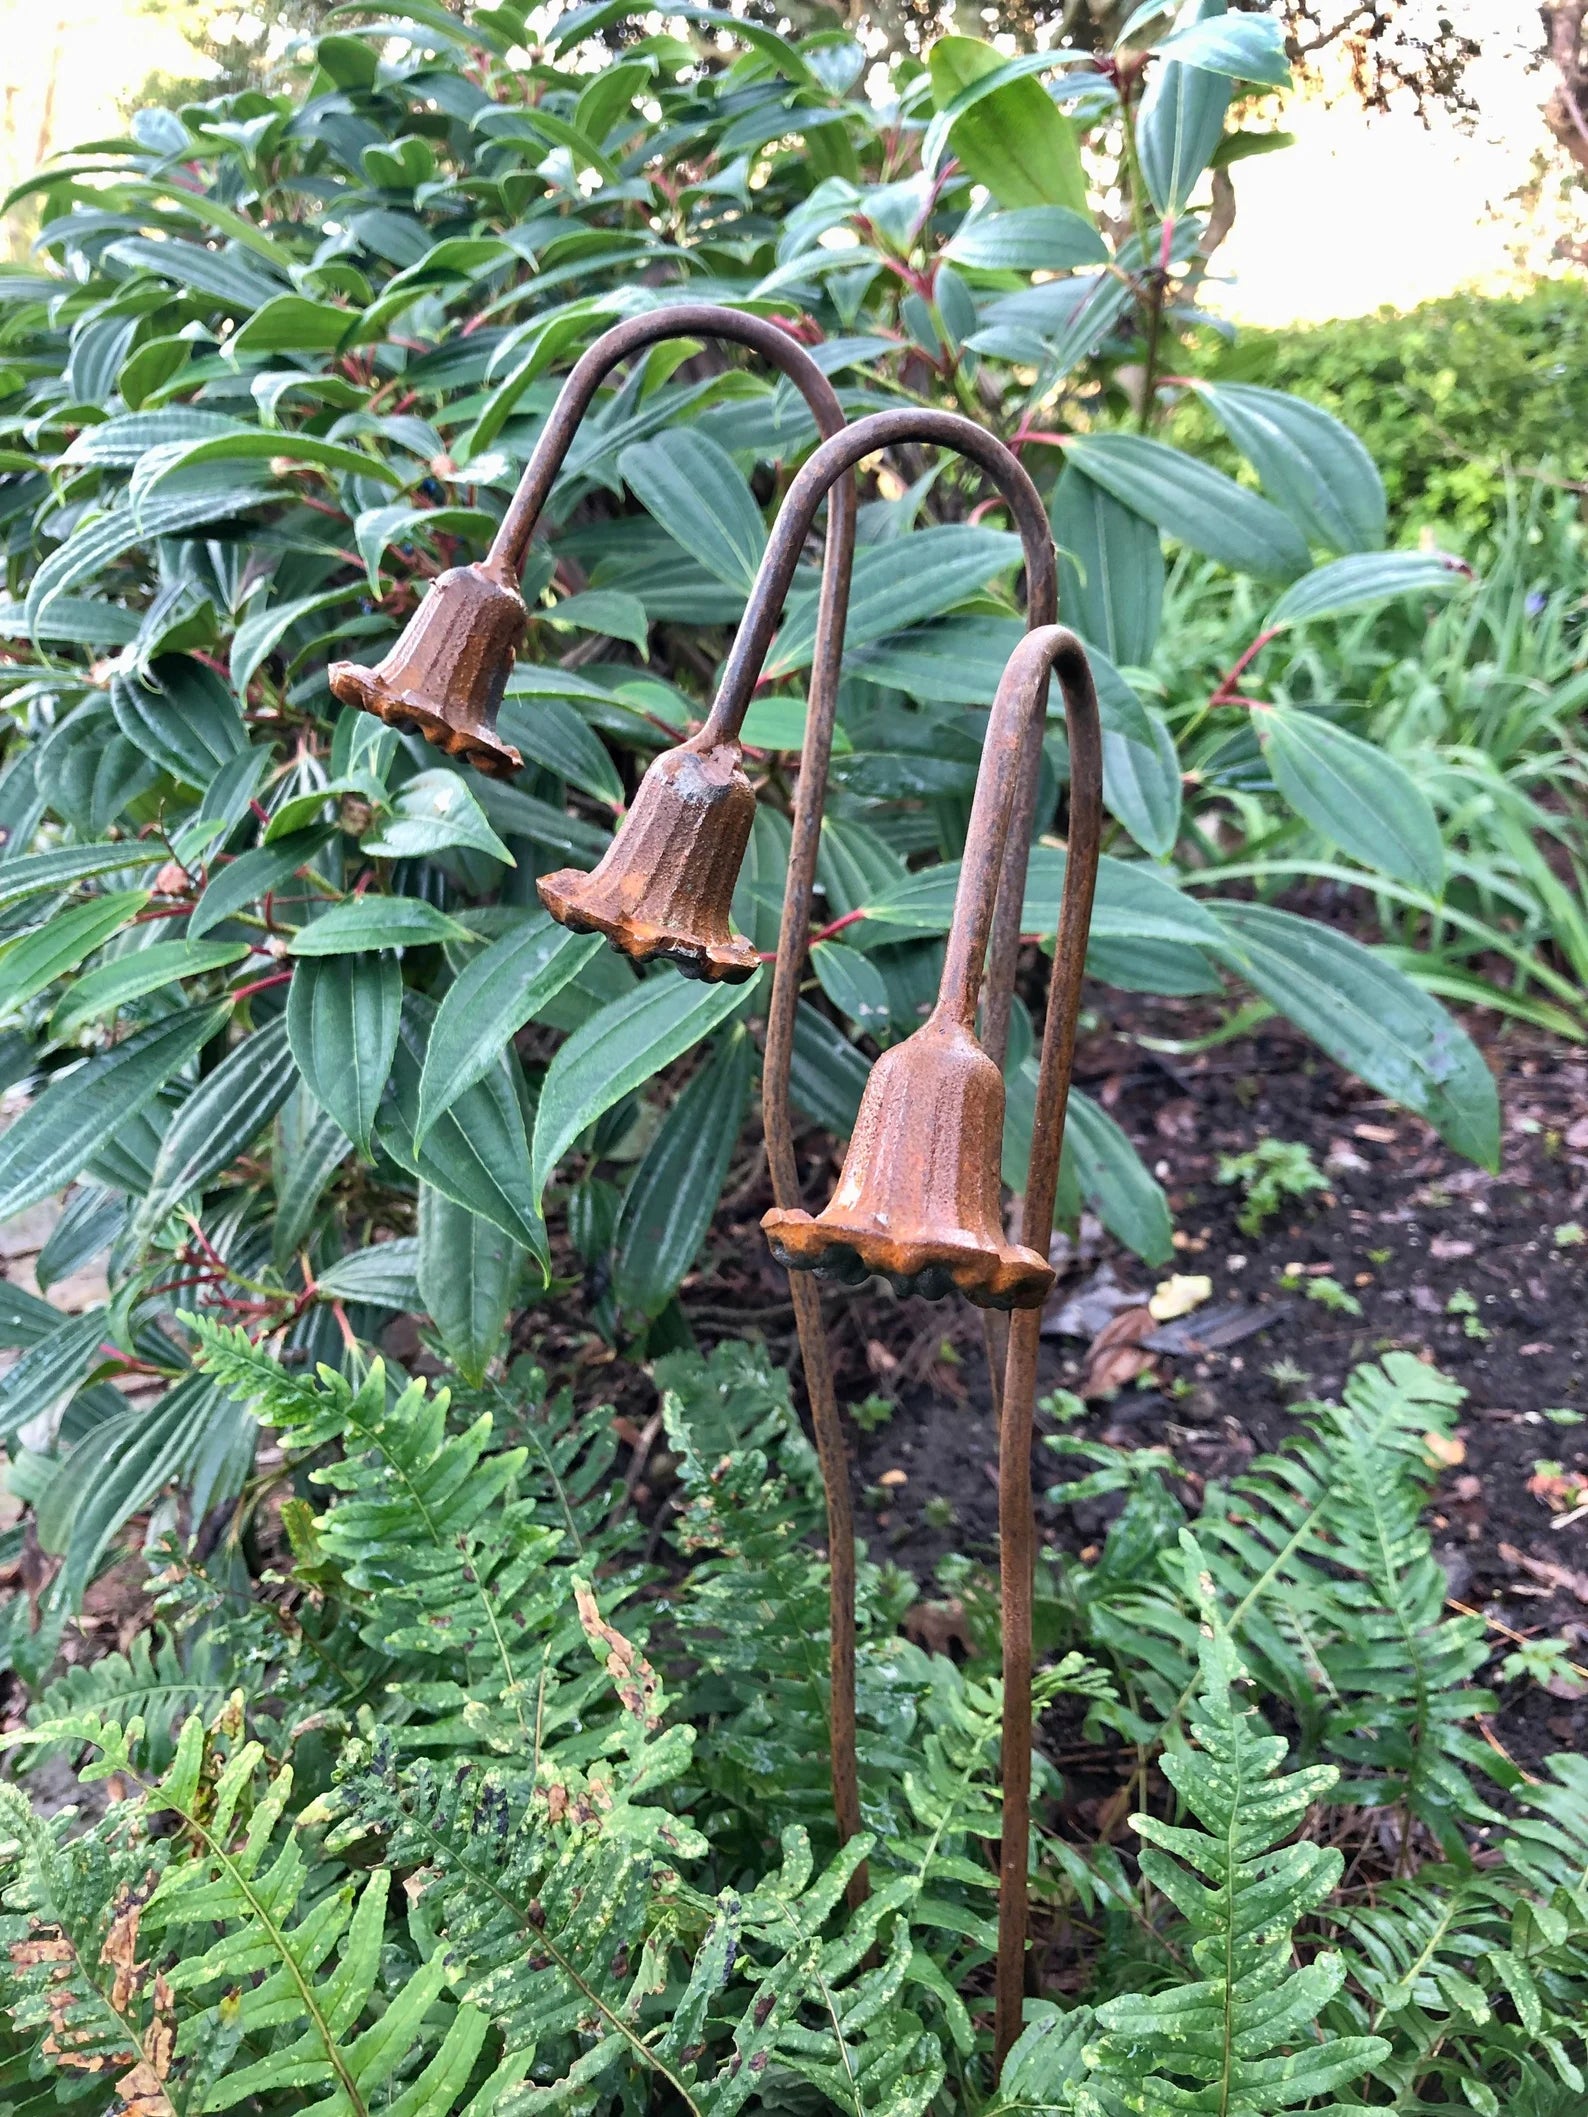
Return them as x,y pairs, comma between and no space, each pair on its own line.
446,675
918,1200
666,884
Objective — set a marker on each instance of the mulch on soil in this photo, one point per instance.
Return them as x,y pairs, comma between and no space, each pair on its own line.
1483,1273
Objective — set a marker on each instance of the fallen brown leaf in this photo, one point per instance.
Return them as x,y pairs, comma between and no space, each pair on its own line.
1553,1576
1115,1355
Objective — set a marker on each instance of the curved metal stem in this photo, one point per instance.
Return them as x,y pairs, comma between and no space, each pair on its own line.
509,550
1017,788
1059,651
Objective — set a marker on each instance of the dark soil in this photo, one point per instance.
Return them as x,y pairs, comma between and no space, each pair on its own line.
1485,1275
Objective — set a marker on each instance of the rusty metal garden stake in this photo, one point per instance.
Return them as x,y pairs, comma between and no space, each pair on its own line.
960,1072
446,678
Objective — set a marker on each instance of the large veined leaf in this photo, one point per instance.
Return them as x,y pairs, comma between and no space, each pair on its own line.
1099,1169
673,1193
490,1000
183,716
1364,580
827,1075
898,584
1030,239
386,1274
435,810
1181,120
1246,47
370,922
1142,783
291,323
342,1018
310,1147
253,874
238,283
116,1469
225,1113
1365,801
93,545
57,1135
1370,1018
1013,139
47,874
250,445
1133,901
1111,568
477,1151
1315,468
552,733
50,1370
619,1048
100,992
468,1272
700,497
1194,502
36,959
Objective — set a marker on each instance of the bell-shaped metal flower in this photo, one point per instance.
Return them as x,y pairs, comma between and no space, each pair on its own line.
667,881
446,675
918,1198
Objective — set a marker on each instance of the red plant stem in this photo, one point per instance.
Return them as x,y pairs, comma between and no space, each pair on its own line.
162,911
245,992
1226,695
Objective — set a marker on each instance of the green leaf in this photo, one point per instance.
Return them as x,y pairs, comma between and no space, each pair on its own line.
1111,569
1363,581
493,996
98,993
1370,1019
253,875
619,1049
698,494
1246,47
1108,1174
827,1075
435,810
224,1114
1134,901
1031,239
1014,140
377,528
476,1151
46,874
1354,794
1180,122
610,611
98,540
898,584
272,446
50,1369
386,1275
359,924
552,733
267,625
1312,466
57,1135
310,1148
1142,784
468,1273
673,1193
183,716
34,960
292,324
1194,502
342,1017
854,985
116,1470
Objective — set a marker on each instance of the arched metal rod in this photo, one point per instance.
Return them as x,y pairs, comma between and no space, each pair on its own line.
1050,649
1000,901
510,549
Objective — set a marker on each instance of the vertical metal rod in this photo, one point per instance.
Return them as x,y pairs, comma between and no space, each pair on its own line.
1017,1522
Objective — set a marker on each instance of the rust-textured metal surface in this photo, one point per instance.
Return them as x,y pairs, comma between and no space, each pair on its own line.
447,673
665,885
1058,650
918,1200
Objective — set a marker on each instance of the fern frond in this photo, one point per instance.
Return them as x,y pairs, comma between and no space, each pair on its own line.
1241,2040
73,1979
